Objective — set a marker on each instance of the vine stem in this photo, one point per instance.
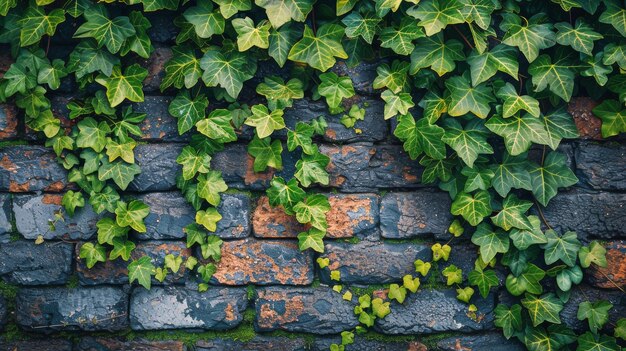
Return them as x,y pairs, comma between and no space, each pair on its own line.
115,316
464,37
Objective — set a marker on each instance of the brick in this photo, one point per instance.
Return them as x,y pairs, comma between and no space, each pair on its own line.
463,256
312,310
47,344
111,344
86,309
489,341
158,167
362,344
6,60
615,269
589,214
169,214
163,29
258,343
6,214
264,262
362,75
182,308
273,222
116,271
155,65
25,263
30,168
3,313
33,213
372,262
351,215
361,168
435,311
587,123
583,293
235,210
601,166
417,214
8,122
159,125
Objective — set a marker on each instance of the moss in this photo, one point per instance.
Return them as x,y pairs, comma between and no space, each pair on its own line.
73,282
316,283
8,291
408,241
375,336
352,240
12,143
15,237
369,290
251,292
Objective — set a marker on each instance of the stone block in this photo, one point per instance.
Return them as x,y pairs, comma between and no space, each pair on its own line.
601,166
8,122
489,341
158,167
614,275
416,214
30,168
111,344
6,213
25,263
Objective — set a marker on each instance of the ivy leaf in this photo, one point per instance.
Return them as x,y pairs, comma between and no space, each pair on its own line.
435,15
596,69
380,308
453,274
264,121
396,103
312,239
122,150
193,162
108,230
280,12
613,117
344,6
71,200
188,111
594,253
465,294
35,23
107,32
318,51
313,210
593,342
420,137
395,78
564,248
88,58
485,65
210,185
205,21
468,142
132,214
477,178
92,254
509,319
614,53
513,215
530,37
285,194
513,103
397,292
229,71
121,248
559,125
279,94
491,241
614,15
312,169
105,200
266,153
208,218
217,126
519,132
410,283
478,11
422,267
249,35
141,270
568,276
121,172
558,76
543,308
302,136
528,281
281,40
335,89
620,329
52,74
173,262
552,175
212,248
92,134
182,70
522,239
464,98
228,8
484,280
580,37
434,106
127,85
437,54
440,251
365,26
400,39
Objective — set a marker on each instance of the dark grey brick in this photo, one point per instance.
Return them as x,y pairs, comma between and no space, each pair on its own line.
601,166
6,214
585,293
155,64
46,344
434,311
372,262
257,344
362,75
489,341
30,168
163,29
312,310
87,309
235,210
182,308
3,313
113,344
8,122
159,125
34,212
416,214
25,263
361,344
158,167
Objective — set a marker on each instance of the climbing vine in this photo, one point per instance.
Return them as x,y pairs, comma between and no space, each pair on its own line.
475,89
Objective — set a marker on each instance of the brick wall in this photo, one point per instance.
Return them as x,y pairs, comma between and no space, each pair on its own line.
382,219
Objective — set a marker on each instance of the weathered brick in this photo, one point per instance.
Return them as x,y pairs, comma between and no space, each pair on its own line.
584,293
3,313
370,262
46,344
361,344
360,167
159,125
87,309
155,65
158,167
312,310
182,308
116,271
34,212
489,341
463,256
601,166
417,214
433,311
362,75
8,122
30,168
6,60
169,214
235,210
258,343
6,213
163,29
25,263
614,275
110,344
273,222
589,214
587,123
263,262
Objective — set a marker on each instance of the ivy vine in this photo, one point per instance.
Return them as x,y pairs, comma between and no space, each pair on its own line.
471,86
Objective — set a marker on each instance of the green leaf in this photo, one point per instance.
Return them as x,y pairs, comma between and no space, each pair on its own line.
182,70
513,103
530,37
596,69
364,26
396,103
335,89
249,35
491,241
420,137
543,308
121,172
280,12
437,54
593,342
121,150
227,70
580,37
264,121
281,40
313,210
594,253
208,218
52,74
210,185
88,58
92,134
141,270
132,215
464,294
397,292
547,179
559,125
105,200
395,78
127,85
188,111
613,117
92,254
519,133
212,248
436,15
107,32
478,11
279,94
484,280
564,248
620,329
522,239
108,230
528,281
266,153
285,194
615,15
410,283
35,23
558,76
468,142
205,21
509,319
464,98
434,106
121,248
614,53
477,178
193,162
228,8
312,169
569,276
312,239
485,65
71,200
400,39
453,274
318,51
380,308
422,267
301,136
440,251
